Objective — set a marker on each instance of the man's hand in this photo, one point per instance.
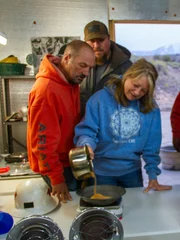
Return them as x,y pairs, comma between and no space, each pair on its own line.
153,184
62,192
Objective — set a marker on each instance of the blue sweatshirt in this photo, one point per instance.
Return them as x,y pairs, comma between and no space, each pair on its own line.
120,136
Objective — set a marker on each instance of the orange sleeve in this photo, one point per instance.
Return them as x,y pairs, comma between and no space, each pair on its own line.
45,137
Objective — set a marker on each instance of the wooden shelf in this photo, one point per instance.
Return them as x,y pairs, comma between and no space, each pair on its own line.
18,77
15,122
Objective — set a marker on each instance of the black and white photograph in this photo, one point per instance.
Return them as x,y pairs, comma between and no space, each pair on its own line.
48,45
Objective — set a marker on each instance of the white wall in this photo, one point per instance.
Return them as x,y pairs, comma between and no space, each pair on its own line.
52,17
144,9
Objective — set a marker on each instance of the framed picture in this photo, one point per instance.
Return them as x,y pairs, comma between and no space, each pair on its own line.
47,45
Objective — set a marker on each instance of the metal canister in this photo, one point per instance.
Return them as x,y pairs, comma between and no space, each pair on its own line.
81,163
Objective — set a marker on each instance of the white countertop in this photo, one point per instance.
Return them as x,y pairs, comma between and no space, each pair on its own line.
149,214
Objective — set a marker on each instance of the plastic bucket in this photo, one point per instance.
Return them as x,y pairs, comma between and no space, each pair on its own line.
11,69
6,222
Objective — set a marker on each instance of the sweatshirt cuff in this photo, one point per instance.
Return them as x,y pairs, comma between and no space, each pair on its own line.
57,179
152,176
83,143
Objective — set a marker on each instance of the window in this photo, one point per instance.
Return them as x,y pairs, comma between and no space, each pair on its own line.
159,43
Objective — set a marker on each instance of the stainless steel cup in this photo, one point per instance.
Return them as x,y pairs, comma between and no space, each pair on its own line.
81,163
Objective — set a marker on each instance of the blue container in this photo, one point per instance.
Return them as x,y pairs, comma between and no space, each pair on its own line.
6,222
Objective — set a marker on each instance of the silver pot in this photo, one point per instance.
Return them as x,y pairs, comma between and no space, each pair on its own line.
81,163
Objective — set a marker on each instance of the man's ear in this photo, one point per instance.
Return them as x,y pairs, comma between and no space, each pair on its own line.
66,58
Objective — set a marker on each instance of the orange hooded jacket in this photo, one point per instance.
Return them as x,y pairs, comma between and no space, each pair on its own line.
53,112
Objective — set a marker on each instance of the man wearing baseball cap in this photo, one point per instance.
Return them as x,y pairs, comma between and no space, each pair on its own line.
111,58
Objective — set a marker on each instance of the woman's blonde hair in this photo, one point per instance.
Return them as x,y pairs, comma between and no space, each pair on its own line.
140,68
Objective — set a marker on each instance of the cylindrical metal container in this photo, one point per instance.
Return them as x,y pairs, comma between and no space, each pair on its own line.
170,158
81,163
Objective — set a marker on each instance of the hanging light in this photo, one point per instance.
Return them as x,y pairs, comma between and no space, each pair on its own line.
3,38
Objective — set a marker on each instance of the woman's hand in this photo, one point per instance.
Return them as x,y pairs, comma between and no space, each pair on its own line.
153,184
91,152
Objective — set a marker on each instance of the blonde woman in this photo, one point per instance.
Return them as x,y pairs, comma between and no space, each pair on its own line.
121,126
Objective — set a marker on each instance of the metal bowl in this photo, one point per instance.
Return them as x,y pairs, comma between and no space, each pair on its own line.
81,163
96,224
35,227
170,158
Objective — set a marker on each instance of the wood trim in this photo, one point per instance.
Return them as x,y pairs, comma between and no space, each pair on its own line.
112,30
146,21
